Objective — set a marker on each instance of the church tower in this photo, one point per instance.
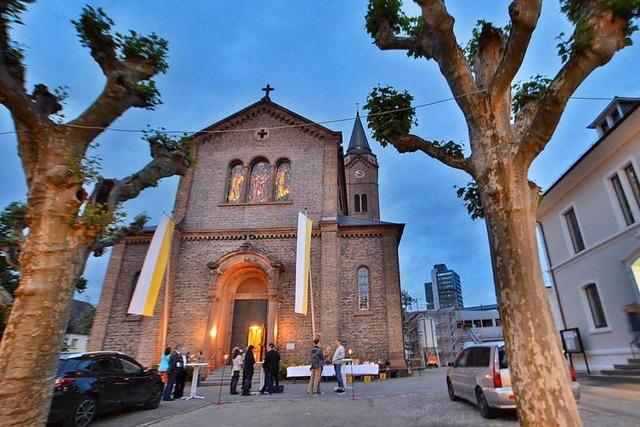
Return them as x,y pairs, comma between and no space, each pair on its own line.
361,170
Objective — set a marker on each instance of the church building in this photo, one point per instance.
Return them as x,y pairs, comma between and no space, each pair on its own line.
231,273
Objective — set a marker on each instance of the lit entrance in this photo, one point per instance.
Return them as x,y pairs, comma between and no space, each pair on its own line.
243,304
249,320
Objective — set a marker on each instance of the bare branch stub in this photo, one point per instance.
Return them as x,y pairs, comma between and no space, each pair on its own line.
524,19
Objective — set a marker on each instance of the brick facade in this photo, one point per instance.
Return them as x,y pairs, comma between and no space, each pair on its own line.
218,246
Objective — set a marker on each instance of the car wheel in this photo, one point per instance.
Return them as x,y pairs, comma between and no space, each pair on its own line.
452,394
154,398
83,414
483,406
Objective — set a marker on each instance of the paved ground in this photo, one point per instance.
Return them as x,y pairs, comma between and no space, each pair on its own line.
417,401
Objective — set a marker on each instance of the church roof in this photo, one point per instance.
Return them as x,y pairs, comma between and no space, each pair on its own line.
358,143
227,122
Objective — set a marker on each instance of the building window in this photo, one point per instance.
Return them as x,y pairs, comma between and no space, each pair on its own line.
356,203
477,323
622,200
259,182
633,182
487,323
363,288
574,230
595,305
74,343
364,203
236,180
283,181
498,322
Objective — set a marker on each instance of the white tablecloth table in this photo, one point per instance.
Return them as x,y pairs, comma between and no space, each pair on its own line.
194,381
328,371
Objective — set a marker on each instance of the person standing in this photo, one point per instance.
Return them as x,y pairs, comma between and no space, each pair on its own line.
164,365
236,365
317,362
337,361
181,378
271,366
247,371
173,370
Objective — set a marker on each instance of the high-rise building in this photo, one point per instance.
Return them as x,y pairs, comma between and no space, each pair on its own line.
444,290
428,291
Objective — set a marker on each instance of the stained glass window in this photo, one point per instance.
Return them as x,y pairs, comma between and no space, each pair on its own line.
236,179
283,181
363,288
259,184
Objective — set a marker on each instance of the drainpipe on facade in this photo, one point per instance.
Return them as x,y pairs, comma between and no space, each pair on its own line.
553,277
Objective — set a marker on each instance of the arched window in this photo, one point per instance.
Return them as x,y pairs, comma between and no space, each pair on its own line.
259,182
363,202
363,288
356,203
236,180
283,181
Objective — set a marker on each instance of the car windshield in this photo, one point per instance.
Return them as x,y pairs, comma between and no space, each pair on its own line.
502,356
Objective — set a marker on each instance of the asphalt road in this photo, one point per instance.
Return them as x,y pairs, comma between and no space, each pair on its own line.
416,401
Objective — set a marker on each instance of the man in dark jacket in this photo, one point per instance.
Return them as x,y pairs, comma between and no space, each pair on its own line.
317,362
173,371
247,371
271,366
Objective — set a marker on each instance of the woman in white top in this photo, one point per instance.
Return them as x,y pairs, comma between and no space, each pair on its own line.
236,363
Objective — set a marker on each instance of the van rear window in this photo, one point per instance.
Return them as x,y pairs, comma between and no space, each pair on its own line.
71,365
502,357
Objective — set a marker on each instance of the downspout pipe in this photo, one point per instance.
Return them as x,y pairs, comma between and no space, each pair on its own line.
553,277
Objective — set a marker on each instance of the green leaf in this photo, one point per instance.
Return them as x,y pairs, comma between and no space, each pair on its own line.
470,195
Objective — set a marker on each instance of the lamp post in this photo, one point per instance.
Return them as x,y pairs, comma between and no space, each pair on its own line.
218,403
353,380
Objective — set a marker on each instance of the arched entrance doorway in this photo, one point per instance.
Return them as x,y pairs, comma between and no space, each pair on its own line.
243,303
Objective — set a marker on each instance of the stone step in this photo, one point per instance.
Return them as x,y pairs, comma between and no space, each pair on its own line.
627,366
625,372
633,360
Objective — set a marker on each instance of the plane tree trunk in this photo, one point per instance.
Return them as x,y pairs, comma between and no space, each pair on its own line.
36,327
538,372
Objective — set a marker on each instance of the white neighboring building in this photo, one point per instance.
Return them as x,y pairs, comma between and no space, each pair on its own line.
590,219
76,343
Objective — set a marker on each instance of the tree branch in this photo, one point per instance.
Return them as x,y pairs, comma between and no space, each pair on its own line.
170,157
608,36
438,34
12,92
410,143
524,18
386,40
127,61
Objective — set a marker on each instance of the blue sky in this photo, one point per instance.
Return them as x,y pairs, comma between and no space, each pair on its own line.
321,61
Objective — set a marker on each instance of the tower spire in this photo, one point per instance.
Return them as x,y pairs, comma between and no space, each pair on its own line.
358,143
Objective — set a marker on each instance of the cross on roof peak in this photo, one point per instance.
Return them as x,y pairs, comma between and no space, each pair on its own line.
267,89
